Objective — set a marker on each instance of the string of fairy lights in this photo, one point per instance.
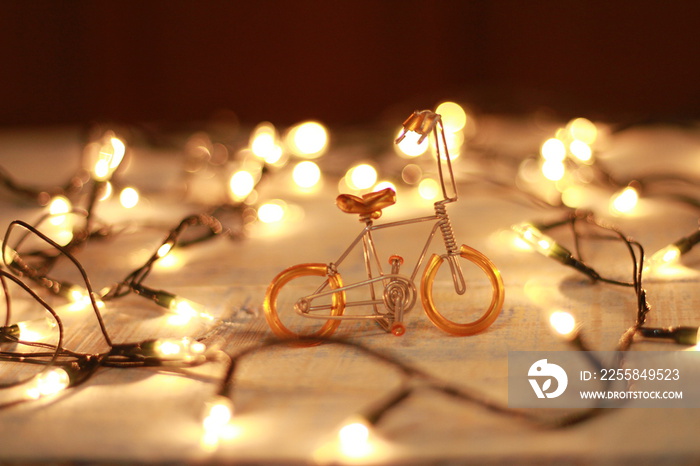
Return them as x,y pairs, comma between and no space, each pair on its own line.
563,176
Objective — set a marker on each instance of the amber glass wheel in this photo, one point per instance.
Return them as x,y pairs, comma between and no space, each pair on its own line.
487,318
287,288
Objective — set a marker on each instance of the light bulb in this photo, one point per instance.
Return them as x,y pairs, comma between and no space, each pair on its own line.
553,150
47,383
563,323
263,143
164,250
187,309
108,158
664,256
273,211
218,411
624,201
36,329
306,174
172,349
308,139
409,147
540,242
674,251
58,208
241,184
362,176
353,439
129,197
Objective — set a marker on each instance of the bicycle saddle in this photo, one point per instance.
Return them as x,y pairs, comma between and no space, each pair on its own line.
369,204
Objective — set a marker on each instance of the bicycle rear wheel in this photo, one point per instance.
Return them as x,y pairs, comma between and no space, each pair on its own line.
491,313
282,295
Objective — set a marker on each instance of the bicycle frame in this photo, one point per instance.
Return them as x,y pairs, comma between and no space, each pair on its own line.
304,308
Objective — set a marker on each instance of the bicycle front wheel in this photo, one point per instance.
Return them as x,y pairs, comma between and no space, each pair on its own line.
293,284
497,294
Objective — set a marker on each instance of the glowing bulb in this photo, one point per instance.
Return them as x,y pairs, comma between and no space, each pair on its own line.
59,206
164,250
665,256
581,150
109,157
184,349
273,211
217,413
129,198
409,144
263,143
31,330
362,176
553,170
583,130
353,440
308,139
186,309
562,322
10,257
553,150
535,238
453,116
624,201
49,382
306,174
242,184
383,185
428,189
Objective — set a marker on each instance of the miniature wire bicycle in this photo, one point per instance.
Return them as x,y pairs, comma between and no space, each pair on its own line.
390,294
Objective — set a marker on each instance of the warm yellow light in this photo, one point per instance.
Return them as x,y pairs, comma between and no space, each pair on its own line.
47,383
107,190
453,116
308,139
409,146
581,150
264,143
383,185
129,197
454,145
553,150
217,414
164,249
186,309
535,238
184,349
242,184
353,440
109,156
59,206
664,256
171,261
624,201
306,174
574,196
553,170
562,322
428,189
272,212
36,329
583,130
362,176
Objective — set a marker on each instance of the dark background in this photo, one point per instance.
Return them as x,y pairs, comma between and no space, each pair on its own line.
344,62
